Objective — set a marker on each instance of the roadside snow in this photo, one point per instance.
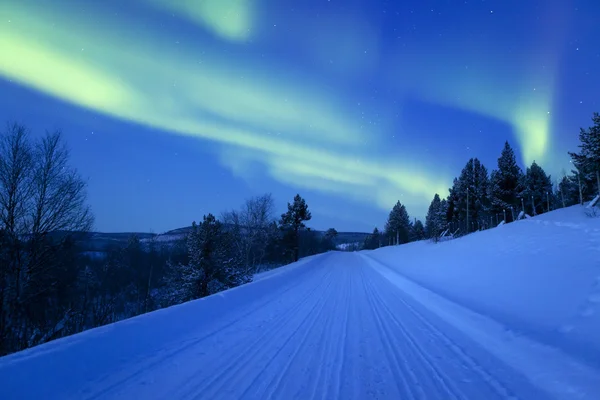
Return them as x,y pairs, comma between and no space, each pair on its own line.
539,277
547,368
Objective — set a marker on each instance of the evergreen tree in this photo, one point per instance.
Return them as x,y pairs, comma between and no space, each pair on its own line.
373,241
568,190
537,186
587,161
433,224
505,184
418,231
470,197
213,265
451,201
293,220
398,225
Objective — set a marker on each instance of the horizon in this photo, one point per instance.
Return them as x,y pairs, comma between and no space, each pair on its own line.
172,113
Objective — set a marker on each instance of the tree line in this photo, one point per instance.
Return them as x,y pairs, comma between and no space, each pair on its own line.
51,286
481,200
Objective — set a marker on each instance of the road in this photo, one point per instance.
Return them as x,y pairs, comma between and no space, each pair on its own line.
333,328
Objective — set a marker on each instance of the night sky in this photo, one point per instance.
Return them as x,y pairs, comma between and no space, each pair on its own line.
173,109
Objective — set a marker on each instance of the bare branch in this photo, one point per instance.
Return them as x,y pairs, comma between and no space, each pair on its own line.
16,158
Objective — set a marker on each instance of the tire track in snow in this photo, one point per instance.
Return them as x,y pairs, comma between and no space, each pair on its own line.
410,351
318,371
333,340
340,357
311,355
422,360
274,388
395,360
157,366
257,347
116,380
471,368
468,362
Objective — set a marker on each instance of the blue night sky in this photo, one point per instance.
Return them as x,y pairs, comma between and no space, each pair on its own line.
174,109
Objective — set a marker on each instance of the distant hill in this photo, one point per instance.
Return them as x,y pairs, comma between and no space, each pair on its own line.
351,237
103,241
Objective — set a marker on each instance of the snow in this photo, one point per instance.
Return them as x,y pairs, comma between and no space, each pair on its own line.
280,270
538,276
548,368
507,313
346,246
594,202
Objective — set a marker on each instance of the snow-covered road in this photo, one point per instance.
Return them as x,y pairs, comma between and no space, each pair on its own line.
333,328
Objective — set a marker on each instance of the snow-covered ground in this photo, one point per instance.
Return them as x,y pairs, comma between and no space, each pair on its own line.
539,277
501,314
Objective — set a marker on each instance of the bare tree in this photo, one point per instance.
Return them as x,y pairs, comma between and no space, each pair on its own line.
42,204
59,193
15,189
252,226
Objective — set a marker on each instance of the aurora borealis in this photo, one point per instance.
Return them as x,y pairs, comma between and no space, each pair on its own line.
195,105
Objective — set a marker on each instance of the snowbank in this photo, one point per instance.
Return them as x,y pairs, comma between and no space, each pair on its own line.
539,277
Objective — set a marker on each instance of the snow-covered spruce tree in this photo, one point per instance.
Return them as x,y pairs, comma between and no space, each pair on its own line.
292,221
537,190
398,225
213,265
505,184
587,161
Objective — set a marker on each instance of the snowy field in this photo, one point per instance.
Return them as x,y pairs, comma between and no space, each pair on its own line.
509,313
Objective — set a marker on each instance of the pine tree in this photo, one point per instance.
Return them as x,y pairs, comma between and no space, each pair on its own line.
213,264
293,221
398,225
442,215
452,201
433,225
418,231
587,161
373,241
568,190
469,197
537,187
505,184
